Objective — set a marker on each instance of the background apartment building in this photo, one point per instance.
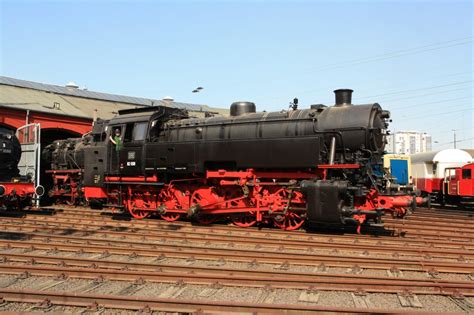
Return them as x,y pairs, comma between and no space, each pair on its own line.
408,142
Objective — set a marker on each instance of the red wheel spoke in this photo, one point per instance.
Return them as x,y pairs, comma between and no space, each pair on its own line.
244,220
139,214
170,217
290,221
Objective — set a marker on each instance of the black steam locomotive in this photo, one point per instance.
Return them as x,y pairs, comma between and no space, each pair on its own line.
312,165
16,191
10,153
66,161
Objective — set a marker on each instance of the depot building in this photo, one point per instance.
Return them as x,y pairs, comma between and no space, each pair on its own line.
69,111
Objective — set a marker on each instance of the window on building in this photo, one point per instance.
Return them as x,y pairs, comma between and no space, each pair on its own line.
466,174
412,144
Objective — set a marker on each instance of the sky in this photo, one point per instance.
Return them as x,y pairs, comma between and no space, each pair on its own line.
414,58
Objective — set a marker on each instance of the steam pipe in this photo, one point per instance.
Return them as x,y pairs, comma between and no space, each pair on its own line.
332,151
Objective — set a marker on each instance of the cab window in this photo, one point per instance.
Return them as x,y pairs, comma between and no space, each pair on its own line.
128,133
139,131
466,174
156,130
115,130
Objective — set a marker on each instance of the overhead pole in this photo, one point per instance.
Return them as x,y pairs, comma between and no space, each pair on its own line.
454,140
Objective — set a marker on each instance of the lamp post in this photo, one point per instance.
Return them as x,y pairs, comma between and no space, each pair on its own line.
454,135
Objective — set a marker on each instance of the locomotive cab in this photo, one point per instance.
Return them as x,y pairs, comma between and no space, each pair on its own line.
127,152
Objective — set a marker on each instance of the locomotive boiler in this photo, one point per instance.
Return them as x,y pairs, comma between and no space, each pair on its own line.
311,165
10,153
16,191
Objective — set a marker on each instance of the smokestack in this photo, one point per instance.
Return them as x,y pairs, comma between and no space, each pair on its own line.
343,97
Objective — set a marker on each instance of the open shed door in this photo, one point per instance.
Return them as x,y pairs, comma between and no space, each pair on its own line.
29,137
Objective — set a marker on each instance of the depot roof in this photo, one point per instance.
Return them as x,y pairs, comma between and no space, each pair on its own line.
71,101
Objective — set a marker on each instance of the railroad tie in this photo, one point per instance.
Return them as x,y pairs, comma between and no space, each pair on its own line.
190,261
361,300
284,266
409,300
172,292
217,263
44,306
461,301
88,287
133,288
50,284
310,296
211,290
394,272
356,269
267,295
322,268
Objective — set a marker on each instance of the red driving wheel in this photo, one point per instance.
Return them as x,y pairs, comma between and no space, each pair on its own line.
170,217
289,221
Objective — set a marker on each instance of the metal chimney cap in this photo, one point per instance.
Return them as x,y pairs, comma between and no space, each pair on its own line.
343,97
343,90
72,85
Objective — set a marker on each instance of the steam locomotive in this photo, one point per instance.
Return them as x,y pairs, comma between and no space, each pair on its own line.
66,161
16,192
312,165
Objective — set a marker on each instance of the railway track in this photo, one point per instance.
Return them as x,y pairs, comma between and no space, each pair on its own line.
35,227
463,236
249,278
278,270
94,303
433,216
257,256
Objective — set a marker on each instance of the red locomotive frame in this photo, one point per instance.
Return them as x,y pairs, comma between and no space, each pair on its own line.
66,186
246,197
14,195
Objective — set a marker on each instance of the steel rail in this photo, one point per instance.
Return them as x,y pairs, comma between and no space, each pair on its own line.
147,304
433,214
239,255
160,223
461,223
234,278
439,228
395,224
285,244
412,218
420,212
182,226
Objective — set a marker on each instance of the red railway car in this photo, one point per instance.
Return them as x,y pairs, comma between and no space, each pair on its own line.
445,175
458,184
